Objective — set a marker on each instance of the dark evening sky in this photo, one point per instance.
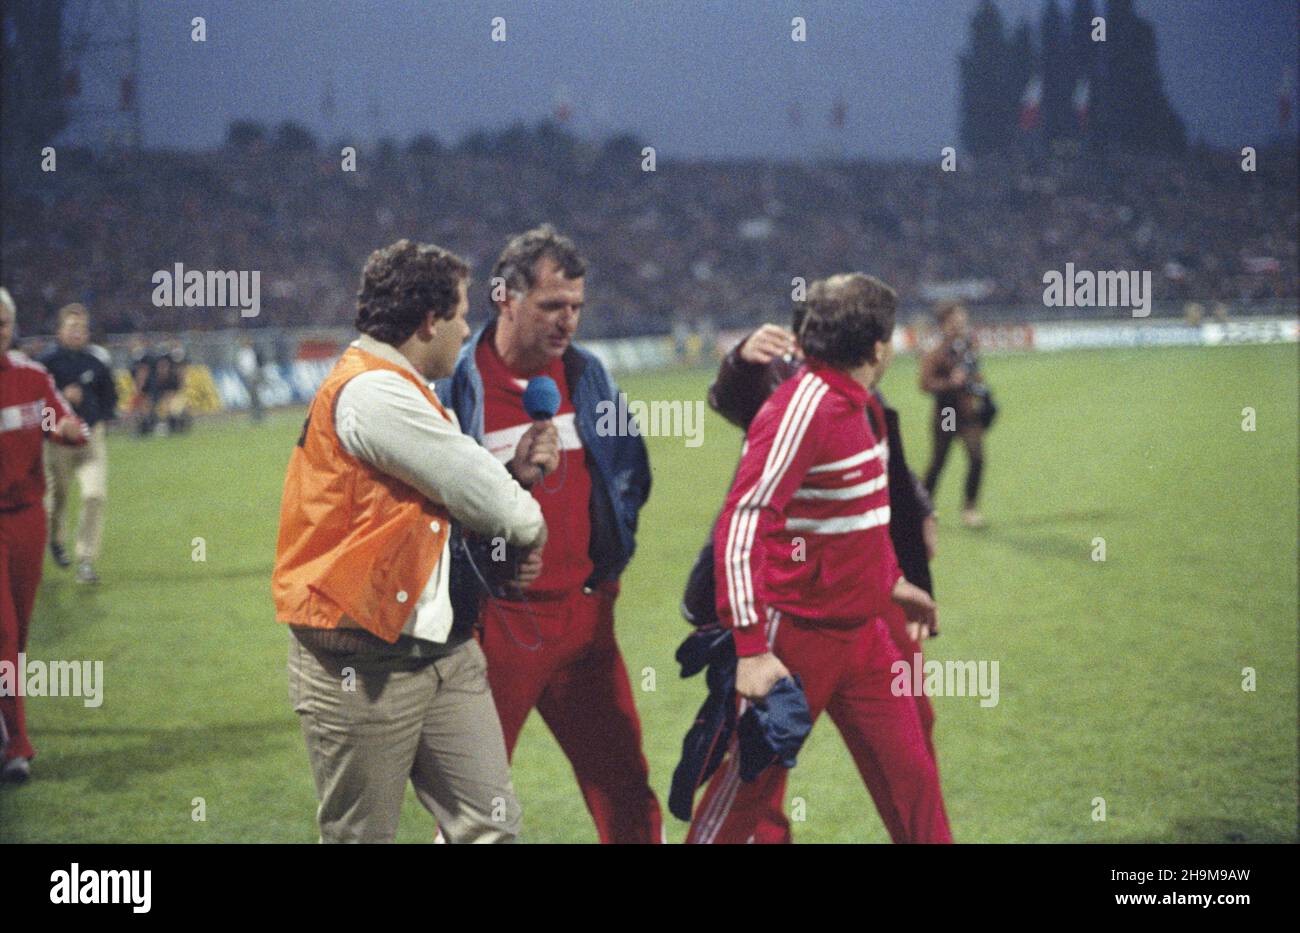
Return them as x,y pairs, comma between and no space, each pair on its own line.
692,78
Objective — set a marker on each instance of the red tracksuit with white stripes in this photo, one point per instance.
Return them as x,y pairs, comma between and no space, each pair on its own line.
29,406
805,567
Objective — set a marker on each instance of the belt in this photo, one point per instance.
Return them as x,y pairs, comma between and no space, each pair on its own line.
359,642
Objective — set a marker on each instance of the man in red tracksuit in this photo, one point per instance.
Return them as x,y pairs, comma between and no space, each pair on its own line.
807,575
553,648
31,409
747,376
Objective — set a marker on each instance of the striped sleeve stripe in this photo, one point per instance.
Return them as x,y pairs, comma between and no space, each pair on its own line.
844,492
738,587
800,411
744,521
872,518
864,456
774,473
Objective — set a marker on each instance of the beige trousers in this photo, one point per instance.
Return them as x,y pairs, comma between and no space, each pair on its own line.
368,733
88,465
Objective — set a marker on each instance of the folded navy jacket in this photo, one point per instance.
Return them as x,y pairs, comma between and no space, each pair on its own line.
769,732
772,731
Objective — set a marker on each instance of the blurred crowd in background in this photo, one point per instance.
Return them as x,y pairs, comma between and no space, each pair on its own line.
689,245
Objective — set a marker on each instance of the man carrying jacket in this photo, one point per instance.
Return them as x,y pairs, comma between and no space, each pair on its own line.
807,574
748,375
554,649
386,687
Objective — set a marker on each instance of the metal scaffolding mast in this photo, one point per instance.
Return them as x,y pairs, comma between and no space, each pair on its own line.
101,67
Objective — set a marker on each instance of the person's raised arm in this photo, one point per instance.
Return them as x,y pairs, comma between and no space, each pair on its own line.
750,373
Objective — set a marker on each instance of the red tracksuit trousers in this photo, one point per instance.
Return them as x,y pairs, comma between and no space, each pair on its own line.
22,548
559,655
845,672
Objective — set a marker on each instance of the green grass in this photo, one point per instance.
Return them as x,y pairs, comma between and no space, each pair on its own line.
1119,680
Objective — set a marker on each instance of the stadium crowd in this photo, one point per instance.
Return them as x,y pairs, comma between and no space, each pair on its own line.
688,244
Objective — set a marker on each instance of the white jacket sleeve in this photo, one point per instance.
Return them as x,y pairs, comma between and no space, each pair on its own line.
384,420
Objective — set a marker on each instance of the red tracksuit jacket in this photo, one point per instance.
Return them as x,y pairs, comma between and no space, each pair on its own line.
805,528
26,392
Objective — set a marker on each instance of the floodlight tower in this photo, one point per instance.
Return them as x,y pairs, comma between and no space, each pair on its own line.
101,72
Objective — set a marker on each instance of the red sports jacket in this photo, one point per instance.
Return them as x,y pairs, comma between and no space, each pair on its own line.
805,528
29,404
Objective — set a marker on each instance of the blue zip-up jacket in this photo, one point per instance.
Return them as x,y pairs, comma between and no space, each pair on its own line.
619,466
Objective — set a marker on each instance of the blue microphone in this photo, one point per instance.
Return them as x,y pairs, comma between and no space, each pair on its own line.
541,398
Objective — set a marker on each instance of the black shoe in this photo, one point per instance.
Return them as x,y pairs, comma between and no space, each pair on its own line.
60,556
16,771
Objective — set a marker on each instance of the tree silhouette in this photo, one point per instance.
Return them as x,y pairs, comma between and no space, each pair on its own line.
32,61
1057,84
1137,114
987,113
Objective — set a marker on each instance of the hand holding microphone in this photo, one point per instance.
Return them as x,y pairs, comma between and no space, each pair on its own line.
538,452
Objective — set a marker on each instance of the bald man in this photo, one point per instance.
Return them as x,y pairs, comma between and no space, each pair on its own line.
31,409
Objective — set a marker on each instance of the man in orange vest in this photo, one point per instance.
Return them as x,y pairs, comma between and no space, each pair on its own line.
386,687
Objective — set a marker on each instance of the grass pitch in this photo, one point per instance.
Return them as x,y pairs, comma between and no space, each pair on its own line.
1119,679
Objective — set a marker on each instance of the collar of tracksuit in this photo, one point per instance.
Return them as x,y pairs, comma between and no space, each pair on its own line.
841,382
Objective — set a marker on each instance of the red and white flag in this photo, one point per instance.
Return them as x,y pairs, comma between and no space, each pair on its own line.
1031,104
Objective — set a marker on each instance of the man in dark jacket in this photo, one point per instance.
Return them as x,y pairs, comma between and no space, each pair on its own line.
87,383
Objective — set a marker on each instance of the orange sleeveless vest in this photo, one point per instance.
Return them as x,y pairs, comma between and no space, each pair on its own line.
353,541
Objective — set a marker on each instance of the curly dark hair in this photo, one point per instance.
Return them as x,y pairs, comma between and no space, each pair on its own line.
843,317
402,283
517,264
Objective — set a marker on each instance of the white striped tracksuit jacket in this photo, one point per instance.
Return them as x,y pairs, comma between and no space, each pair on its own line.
805,528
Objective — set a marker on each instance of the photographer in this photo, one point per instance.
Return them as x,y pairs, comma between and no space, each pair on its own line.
963,405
